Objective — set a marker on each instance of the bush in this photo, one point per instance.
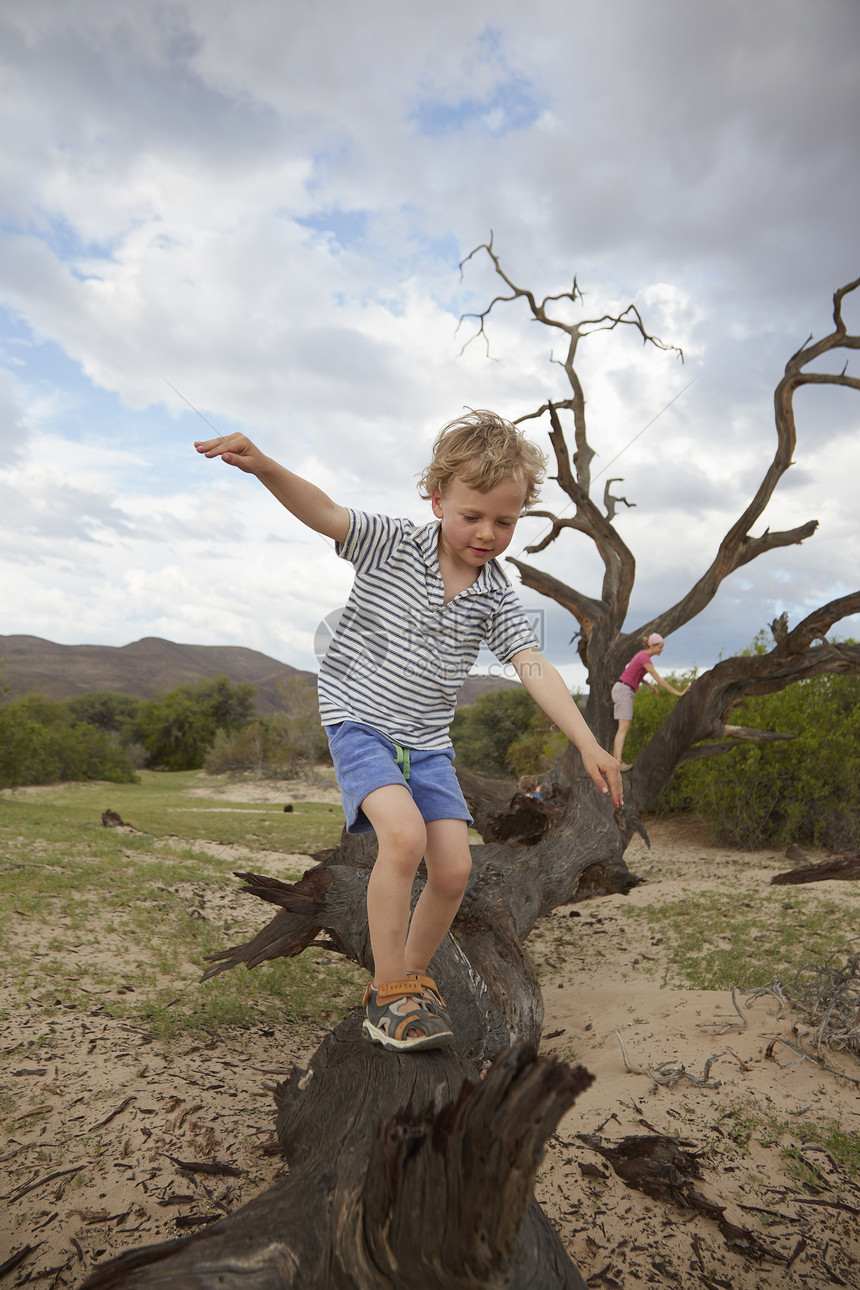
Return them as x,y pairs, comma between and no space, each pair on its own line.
178,728
41,743
107,710
538,748
275,747
806,790
503,733
770,794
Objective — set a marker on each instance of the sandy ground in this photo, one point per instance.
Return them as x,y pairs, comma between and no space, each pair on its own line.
602,976
108,1130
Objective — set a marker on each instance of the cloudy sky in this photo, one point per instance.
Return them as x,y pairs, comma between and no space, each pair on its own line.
264,205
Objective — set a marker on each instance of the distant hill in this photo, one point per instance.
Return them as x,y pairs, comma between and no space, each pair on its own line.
144,668
152,666
474,686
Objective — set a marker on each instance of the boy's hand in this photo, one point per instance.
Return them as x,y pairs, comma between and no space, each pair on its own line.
235,449
301,498
605,771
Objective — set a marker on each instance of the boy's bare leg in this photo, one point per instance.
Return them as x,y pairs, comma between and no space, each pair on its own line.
401,836
449,863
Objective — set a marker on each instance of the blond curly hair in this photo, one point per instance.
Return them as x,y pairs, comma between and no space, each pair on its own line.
482,449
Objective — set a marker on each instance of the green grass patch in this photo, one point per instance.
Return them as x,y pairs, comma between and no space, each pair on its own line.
842,1145
164,804
806,1148
102,921
304,993
714,940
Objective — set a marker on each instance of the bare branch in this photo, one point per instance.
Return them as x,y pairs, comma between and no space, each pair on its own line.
610,502
779,627
740,735
751,734
629,317
603,644
816,626
585,609
699,752
737,547
751,548
556,527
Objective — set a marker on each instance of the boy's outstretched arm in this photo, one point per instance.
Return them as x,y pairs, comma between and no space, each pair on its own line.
546,686
300,497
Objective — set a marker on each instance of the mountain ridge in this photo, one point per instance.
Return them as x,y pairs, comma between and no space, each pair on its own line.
153,665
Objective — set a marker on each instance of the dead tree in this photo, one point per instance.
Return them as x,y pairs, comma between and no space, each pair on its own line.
698,725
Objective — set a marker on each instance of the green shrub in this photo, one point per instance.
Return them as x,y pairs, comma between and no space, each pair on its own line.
770,794
483,732
806,790
178,728
107,710
40,743
538,748
275,747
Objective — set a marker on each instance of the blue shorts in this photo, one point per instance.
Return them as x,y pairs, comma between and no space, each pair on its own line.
365,760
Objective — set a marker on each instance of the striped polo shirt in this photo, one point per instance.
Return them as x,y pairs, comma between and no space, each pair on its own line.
400,654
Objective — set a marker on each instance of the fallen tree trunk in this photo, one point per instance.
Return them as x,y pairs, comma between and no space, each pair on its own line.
843,867
412,1171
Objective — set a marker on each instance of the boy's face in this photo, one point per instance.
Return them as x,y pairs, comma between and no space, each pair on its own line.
476,527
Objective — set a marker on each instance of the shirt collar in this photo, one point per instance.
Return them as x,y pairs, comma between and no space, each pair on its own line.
491,578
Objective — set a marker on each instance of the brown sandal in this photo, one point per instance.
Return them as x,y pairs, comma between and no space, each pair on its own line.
429,993
393,1009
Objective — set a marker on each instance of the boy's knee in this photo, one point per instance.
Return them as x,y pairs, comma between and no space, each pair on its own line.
403,842
451,878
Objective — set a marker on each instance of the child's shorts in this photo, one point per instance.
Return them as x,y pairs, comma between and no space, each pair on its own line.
365,760
622,698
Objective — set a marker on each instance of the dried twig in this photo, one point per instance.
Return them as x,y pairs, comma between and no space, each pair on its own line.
720,1027
828,995
119,1110
669,1073
803,1056
40,1182
207,1167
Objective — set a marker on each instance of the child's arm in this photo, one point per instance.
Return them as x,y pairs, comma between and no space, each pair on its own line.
546,686
300,497
660,682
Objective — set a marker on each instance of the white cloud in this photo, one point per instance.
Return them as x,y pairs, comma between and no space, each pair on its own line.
272,219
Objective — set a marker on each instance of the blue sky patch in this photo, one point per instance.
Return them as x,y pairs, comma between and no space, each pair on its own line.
61,237
348,228
511,106
512,103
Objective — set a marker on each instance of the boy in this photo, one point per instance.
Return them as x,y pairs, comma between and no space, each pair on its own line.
423,600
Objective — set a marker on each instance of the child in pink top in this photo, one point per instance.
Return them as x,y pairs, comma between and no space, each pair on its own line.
628,683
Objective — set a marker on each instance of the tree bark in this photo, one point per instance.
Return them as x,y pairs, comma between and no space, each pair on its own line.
845,868
381,1195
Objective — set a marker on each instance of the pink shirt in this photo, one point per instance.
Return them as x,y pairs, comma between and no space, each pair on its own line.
635,670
